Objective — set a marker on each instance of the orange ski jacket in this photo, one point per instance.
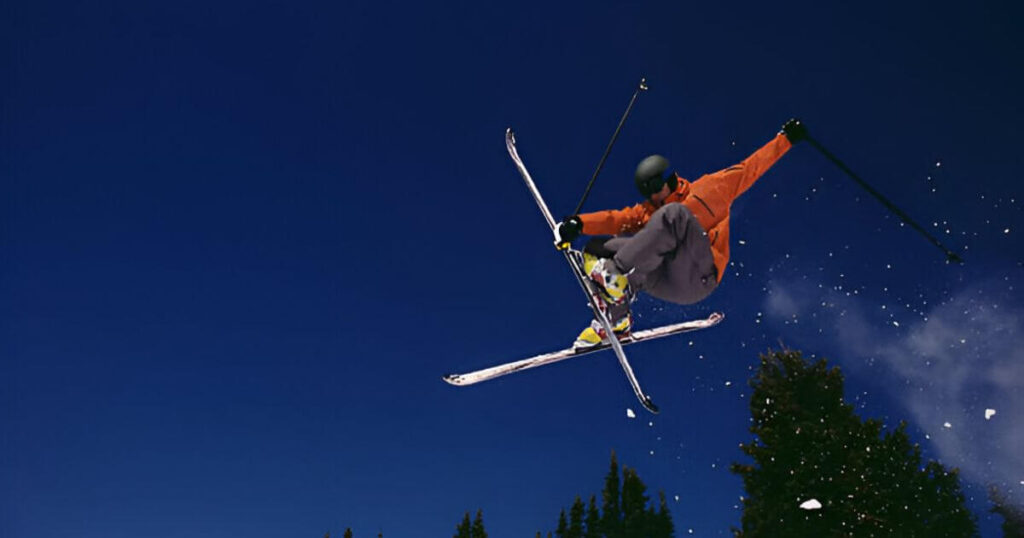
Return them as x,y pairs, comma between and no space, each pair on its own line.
708,198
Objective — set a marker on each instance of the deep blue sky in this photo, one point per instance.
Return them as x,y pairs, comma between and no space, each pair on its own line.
241,242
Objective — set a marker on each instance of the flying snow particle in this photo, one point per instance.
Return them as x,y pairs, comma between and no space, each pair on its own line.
677,498
947,425
742,242
811,504
938,164
896,323
728,383
1006,231
989,413
630,413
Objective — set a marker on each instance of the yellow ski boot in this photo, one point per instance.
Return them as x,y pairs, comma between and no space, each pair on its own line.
594,334
612,282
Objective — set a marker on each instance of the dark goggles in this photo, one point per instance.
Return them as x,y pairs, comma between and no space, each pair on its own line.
653,184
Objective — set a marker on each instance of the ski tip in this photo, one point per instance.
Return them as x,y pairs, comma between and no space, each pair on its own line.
649,404
452,379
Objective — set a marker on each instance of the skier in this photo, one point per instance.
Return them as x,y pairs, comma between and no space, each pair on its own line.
675,244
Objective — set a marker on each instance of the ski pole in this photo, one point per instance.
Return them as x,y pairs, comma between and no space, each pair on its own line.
950,255
600,164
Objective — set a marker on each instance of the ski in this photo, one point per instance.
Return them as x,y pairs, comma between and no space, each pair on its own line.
574,259
486,374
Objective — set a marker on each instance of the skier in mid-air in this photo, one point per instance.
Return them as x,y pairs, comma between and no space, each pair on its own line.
675,244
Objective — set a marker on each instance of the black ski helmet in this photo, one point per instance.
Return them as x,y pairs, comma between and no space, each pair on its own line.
650,176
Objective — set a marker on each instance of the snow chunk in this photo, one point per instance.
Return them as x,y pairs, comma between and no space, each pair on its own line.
947,425
811,504
630,413
677,498
989,413
727,383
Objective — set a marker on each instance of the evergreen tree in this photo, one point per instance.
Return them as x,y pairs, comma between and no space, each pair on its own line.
478,525
464,529
575,520
348,533
634,503
809,444
593,527
626,515
611,517
1013,516
663,527
563,528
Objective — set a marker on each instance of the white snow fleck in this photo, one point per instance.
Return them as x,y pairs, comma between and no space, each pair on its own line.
938,164
652,452
947,425
742,242
989,413
630,413
728,383
811,504
650,424
1006,231
677,498
896,323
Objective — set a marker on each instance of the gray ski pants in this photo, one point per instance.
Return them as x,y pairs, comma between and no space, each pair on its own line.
670,258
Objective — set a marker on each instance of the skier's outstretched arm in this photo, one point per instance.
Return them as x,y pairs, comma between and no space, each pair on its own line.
610,222
614,221
754,166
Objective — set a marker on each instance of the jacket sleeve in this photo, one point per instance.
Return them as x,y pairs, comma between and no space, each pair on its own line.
758,163
615,221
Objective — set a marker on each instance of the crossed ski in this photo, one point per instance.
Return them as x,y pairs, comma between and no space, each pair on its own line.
575,263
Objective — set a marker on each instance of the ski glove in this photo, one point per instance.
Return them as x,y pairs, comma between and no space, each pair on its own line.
570,228
795,130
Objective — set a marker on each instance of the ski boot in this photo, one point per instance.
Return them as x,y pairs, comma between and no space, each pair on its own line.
612,283
595,334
